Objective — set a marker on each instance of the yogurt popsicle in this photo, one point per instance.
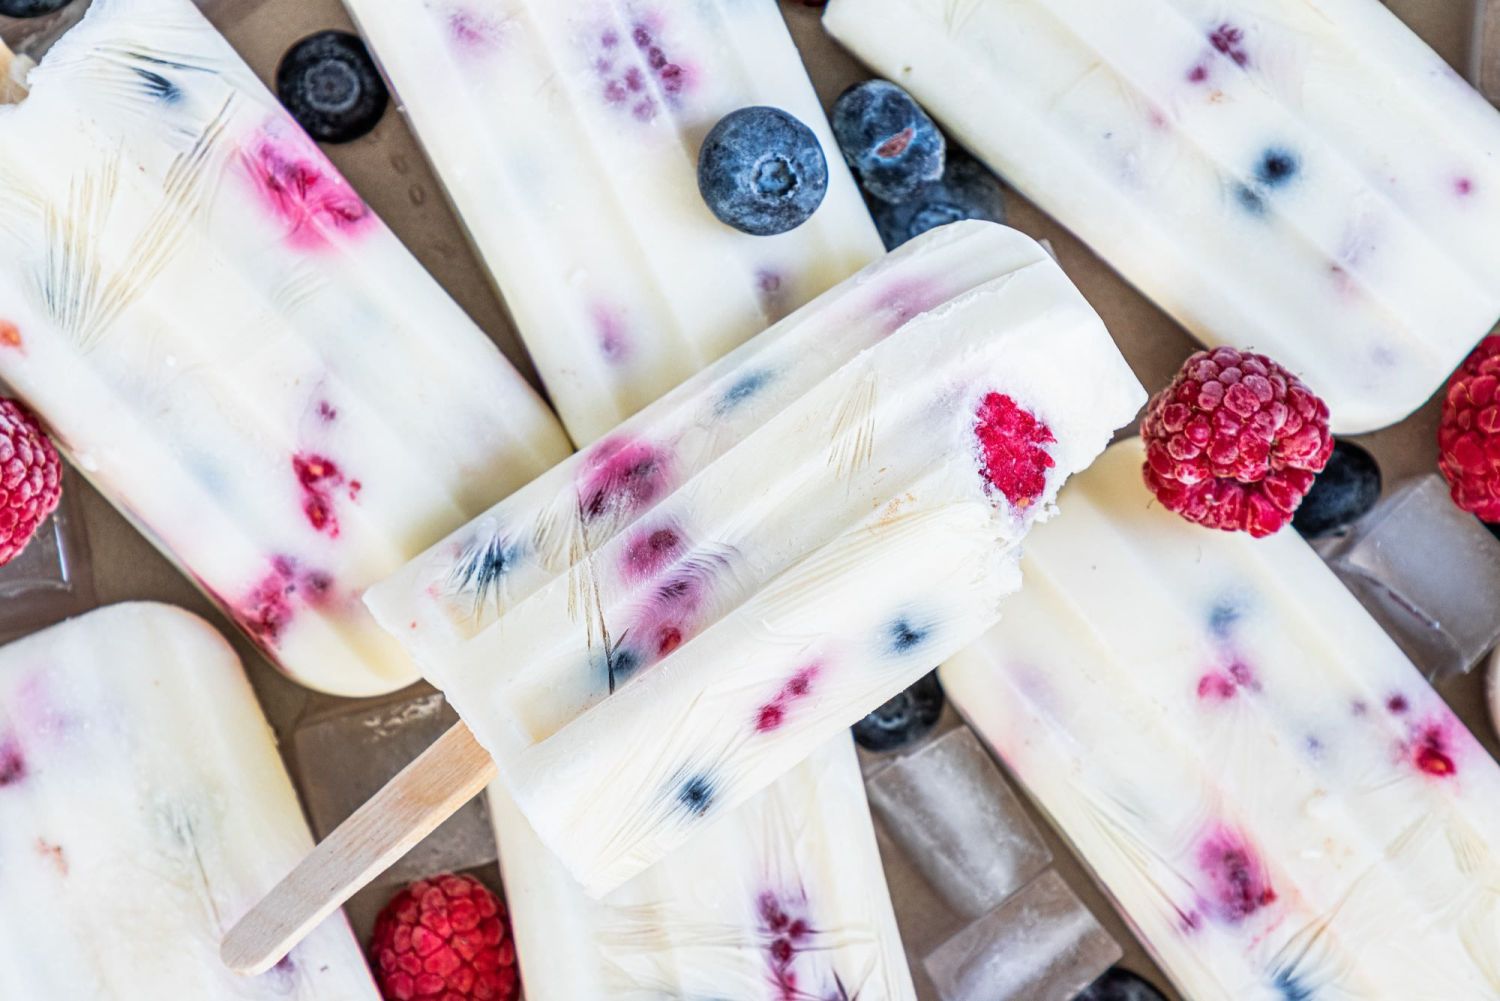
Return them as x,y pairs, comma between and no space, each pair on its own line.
567,136
784,897
233,348
145,809
1273,795
663,624
1302,178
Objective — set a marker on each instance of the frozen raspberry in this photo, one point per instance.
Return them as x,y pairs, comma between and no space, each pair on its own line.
1013,448
30,478
1235,442
1469,434
445,939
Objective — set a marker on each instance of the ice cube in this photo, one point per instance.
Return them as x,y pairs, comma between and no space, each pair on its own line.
50,579
1428,572
951,811
1040,945
342,755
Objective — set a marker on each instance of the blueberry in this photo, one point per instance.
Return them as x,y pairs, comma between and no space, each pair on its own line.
331,86
887,139
31,8
1346,488
1120,985
762,171
967,190
909,716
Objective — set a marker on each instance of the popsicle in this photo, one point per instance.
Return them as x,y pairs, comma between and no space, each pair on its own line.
567,136
784,897
233,348
145,808
1302,178
663,624
1272,794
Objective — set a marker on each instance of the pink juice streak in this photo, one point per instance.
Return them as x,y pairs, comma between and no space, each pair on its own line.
1236,879
798,687
650,552
1221,685
272,602
320,479
303,191
621,476
788,934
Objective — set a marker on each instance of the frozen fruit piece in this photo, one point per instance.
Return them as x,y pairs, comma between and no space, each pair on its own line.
1344,491
907,717
331,86
762,171
1120,984
888,140
31,8
1234,442
967,190
30,478
445,939
1469,432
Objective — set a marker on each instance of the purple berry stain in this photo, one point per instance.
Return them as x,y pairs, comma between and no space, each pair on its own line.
270,606
473,31
671,612
789,934
1237,880
320,480
1229,40
1397,704
621,476
12,762
1463,186
799,686
613,335
650,552
1222,684
1430,748
303,191
635,71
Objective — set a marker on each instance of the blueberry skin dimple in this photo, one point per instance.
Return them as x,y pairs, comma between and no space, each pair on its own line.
31,8
1342,493
905,719
1119,984
967,190
331,86
887,139
762,171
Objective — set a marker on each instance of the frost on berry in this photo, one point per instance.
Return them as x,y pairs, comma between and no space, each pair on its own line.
30,478
1468,442
445,939
1235,442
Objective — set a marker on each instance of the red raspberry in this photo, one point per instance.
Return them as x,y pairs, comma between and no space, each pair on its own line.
445,939
30,478
1234,442
1469,434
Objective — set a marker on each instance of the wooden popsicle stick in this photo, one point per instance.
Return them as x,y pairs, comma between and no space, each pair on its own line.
13,70
425,793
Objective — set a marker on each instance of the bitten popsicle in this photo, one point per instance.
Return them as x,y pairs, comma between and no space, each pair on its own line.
231,346
663,624
1302,178
567,136
1272,794
145,808
784,897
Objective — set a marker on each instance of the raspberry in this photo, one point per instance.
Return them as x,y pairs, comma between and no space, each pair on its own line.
1013,447
1469,433
30,478
1235,442
445,939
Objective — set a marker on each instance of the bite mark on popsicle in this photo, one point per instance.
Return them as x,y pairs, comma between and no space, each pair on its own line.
1013,450
302,189
621,476
1237,880
799,686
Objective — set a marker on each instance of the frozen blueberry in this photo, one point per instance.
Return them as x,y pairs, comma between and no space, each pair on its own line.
762,171
331,86
1120,985
908,717
1346,488
967,190
887,139
31,8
